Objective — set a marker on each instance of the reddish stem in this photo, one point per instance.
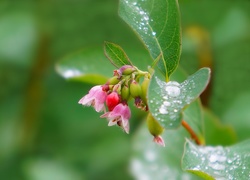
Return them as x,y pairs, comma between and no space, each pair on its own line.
191,132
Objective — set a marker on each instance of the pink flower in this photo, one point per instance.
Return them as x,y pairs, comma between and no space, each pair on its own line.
159,140
96,98
120,115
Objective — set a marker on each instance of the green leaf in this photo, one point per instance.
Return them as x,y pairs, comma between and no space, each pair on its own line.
213,127
218,162
157,23
151,161
116,54
237,115
166,100
87,65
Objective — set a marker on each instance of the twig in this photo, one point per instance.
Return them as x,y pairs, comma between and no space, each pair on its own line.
191,132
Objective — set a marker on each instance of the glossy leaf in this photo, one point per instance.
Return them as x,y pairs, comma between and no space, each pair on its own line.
157,23
88,65
166,100
116,54
151,161
193,113
218,162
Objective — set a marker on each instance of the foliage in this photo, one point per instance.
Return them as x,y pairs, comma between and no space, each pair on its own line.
44,134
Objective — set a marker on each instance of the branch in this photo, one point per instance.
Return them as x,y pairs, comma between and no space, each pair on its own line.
191,132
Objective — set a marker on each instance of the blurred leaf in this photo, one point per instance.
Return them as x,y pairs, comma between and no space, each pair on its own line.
150,161
19,38
41,169
157,23
90,65
225,33
238,115
229,47
218,162
213,127
10,125
166,100
116,54
87,65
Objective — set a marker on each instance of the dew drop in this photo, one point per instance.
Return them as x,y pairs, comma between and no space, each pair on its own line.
165,97
213,158
163,110
146,18
218,167
173,89
166,103
222,158
141,12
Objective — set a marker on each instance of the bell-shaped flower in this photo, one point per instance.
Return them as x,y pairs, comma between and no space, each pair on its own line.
159,140
120,115
96,98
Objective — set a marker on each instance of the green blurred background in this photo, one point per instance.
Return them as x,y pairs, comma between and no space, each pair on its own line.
46,135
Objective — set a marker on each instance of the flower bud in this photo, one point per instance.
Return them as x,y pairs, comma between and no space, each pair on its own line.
127,69
139,104
125,93
135,89
155,129
105,87
117,88
124,70
154,126
112,100
144,88
159,140
113,80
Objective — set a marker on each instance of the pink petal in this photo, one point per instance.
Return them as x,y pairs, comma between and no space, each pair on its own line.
125,126
120,115
159,140
96,98
112,122
86,100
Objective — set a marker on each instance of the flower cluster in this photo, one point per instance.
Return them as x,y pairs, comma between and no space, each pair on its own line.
115,94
